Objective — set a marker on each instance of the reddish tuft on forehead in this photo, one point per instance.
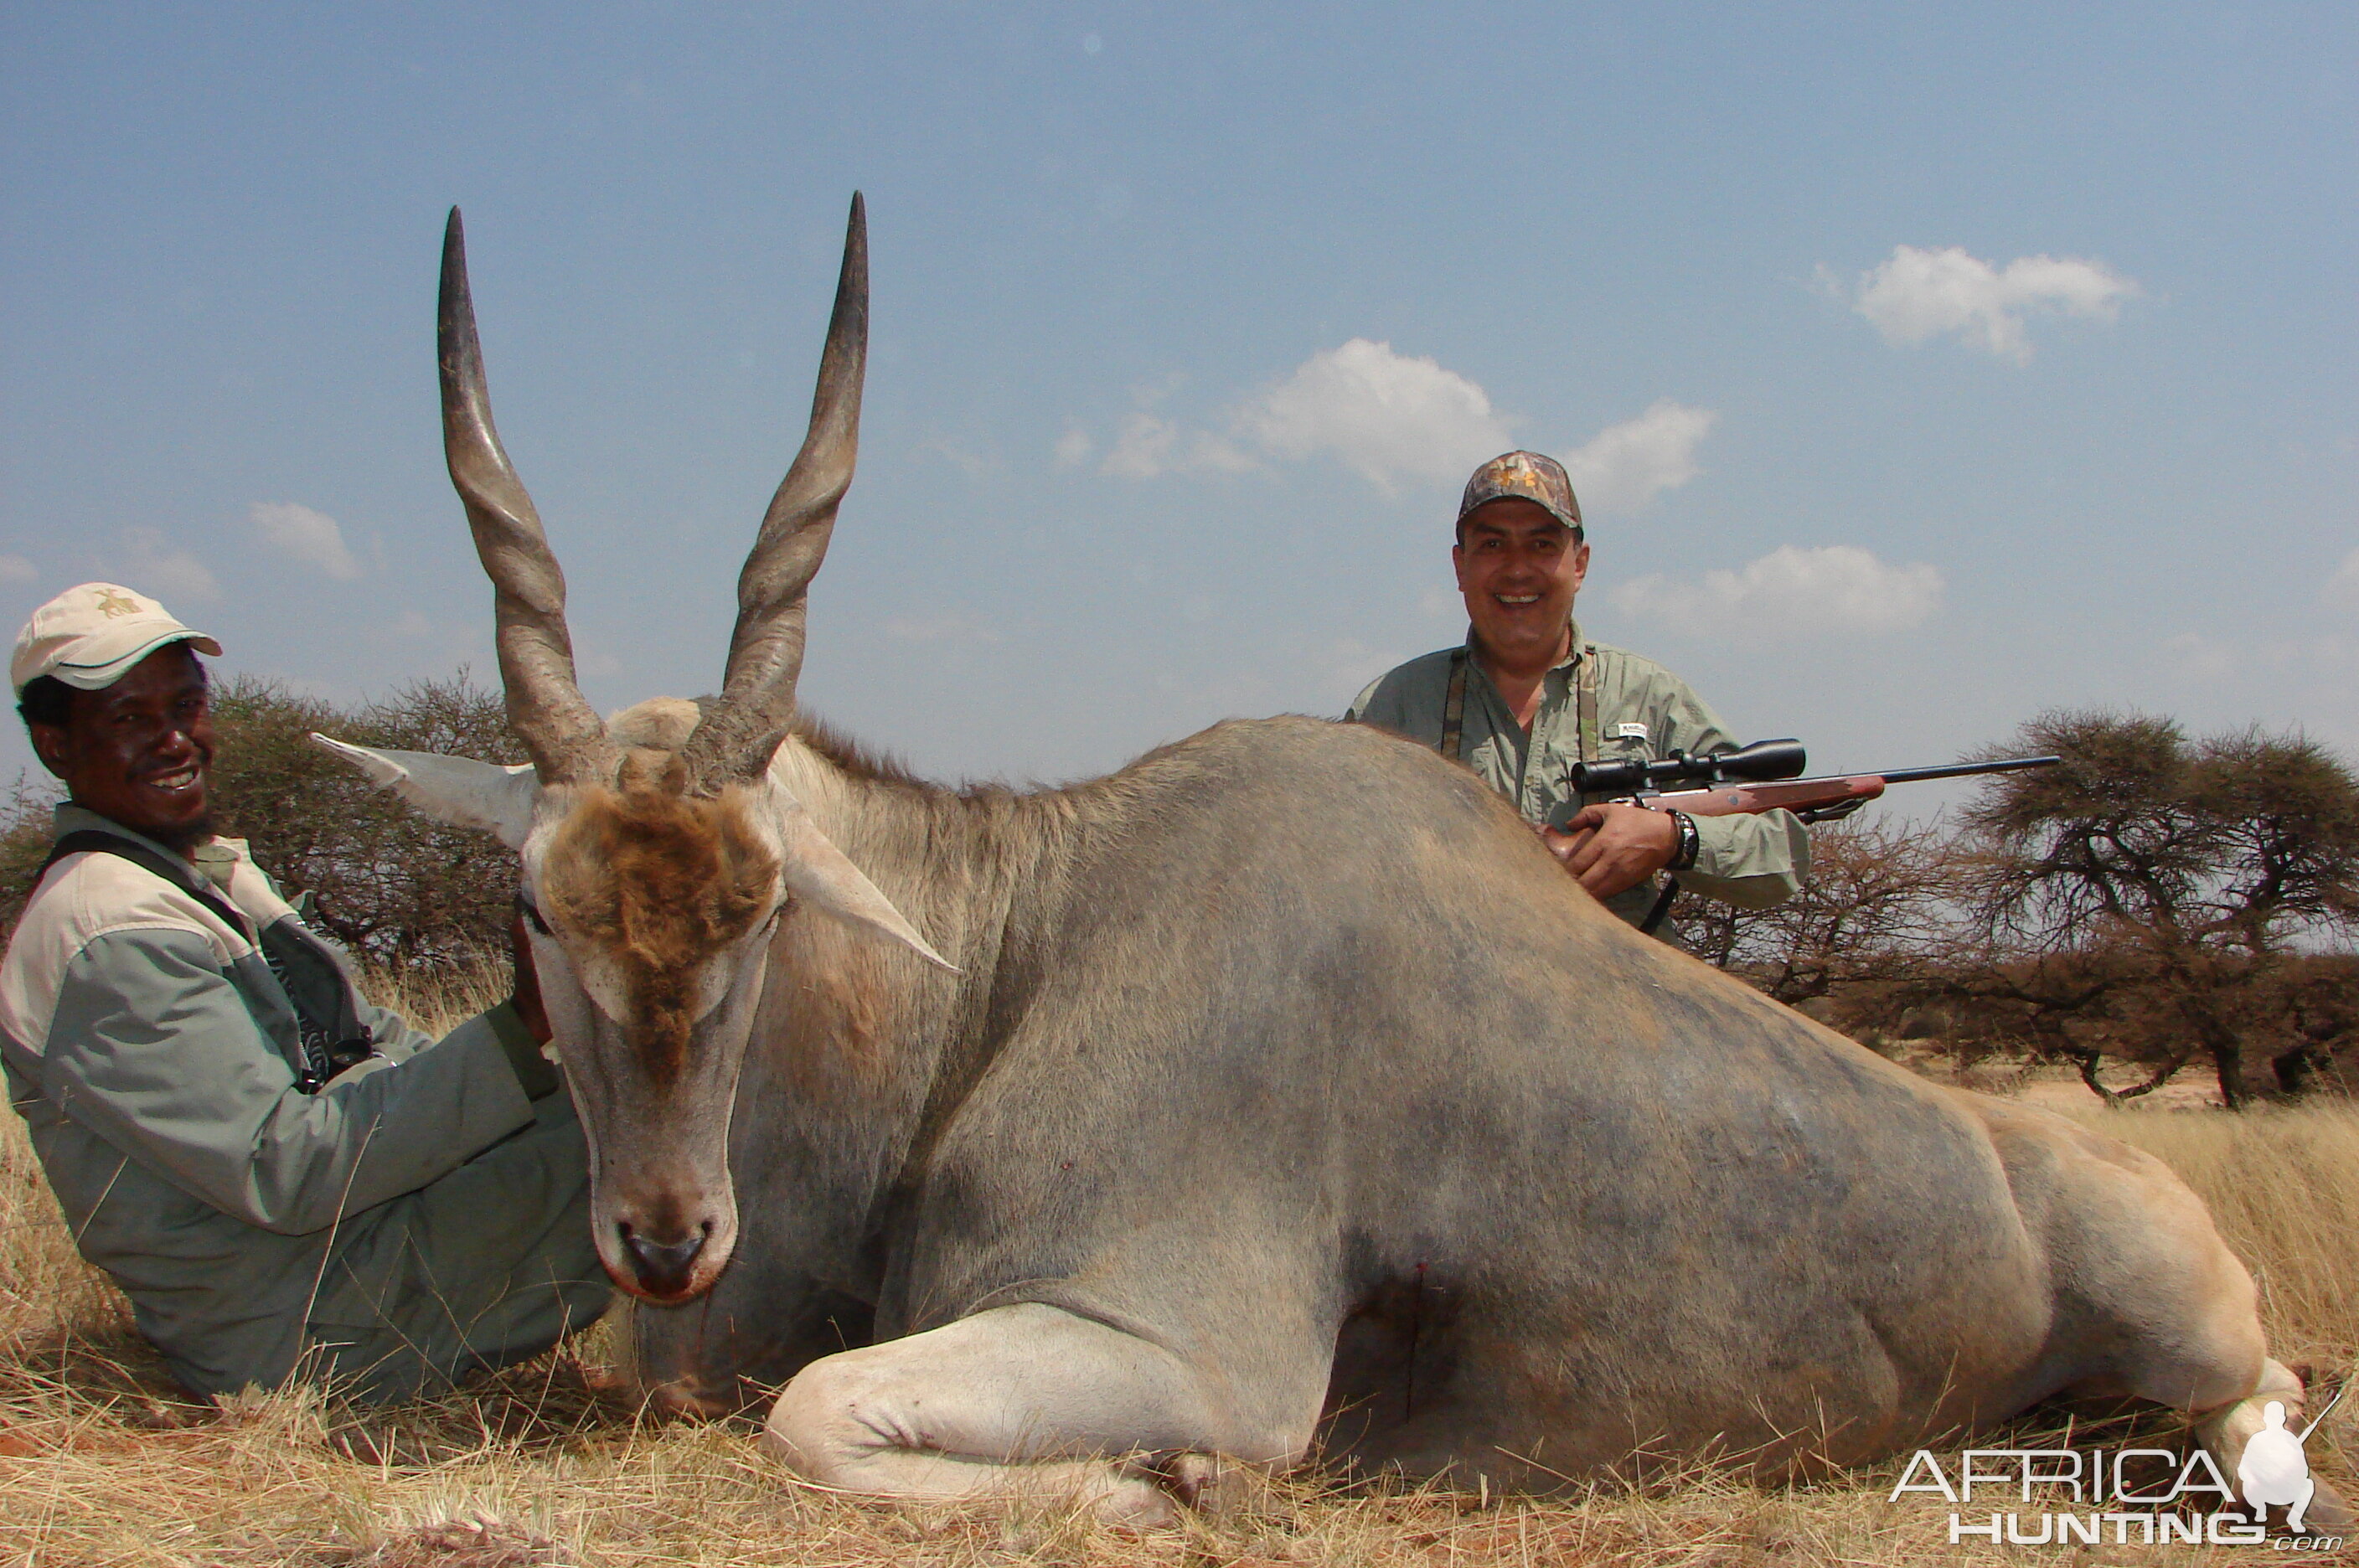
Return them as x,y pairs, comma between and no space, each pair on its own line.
660,882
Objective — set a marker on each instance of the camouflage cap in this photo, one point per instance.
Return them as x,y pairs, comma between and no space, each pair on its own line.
1523,476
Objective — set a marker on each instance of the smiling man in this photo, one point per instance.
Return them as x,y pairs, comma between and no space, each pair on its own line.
282,1177
1527,696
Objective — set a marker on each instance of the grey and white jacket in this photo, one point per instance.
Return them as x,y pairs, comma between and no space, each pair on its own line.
155,1058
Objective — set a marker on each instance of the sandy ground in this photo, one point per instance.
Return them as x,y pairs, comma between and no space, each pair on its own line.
2191,1088
2058,1087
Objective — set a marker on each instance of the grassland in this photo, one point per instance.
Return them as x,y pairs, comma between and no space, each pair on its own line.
105,1464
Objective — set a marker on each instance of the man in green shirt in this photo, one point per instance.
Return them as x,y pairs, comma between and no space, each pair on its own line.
1527,696
283,1179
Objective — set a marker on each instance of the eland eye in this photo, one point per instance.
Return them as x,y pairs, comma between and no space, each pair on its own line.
532,916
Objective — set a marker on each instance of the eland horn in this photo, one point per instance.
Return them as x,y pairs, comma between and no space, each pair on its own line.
737,734
545,708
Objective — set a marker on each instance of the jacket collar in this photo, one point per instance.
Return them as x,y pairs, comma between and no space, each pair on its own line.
213,859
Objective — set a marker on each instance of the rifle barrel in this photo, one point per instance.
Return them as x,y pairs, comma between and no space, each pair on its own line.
1965,770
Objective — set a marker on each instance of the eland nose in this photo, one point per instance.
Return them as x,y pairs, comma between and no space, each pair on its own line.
662,1265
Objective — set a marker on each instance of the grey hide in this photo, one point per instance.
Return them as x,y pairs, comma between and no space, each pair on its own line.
1288,1048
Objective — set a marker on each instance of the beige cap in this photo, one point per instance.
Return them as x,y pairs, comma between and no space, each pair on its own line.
90,636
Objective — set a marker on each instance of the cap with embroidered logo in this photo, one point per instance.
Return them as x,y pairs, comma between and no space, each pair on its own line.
1523,476
88,636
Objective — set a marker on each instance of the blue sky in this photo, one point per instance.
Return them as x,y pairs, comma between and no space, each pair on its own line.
1922,366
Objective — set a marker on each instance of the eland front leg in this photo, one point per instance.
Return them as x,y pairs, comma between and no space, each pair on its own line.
1024,1402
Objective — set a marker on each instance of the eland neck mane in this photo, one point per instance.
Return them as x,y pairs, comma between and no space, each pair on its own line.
982,869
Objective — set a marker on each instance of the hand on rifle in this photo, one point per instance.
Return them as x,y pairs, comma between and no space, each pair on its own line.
1613,847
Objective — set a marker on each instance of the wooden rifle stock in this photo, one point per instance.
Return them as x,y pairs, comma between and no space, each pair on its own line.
1813,799
1804,795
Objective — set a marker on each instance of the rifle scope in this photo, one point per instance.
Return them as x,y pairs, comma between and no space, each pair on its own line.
1755,764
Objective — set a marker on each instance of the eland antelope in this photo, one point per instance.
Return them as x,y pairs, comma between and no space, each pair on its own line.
1278,1090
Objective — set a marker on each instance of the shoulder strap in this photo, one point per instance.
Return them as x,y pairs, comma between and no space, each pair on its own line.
1585,702
329,1033
94,842
1453,709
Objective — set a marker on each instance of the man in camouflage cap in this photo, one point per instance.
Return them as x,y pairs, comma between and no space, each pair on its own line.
1527,696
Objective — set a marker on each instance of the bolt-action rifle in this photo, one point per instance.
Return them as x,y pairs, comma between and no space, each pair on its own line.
1761,777
1757,778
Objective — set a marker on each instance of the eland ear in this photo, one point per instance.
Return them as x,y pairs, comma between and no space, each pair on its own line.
823,875
451,788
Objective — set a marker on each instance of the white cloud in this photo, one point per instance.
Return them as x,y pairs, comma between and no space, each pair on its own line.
1627,465
1830,590
976,465
160,572
1148,445
1143,448
463,642
1920,294
1344,665
17,568
1393,418
1441,604
1386,416
309,537
2200,658
2342,589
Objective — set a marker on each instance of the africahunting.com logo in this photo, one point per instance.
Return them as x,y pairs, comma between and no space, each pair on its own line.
2122,1497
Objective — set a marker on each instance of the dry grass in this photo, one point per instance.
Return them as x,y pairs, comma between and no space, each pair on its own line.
102,1465
439,1000
2283,1187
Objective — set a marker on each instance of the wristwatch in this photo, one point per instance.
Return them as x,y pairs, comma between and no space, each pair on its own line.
1684,858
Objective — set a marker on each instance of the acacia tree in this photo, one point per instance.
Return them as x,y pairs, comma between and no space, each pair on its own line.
2315,1013
2154,898
25,837
1880,905
390,884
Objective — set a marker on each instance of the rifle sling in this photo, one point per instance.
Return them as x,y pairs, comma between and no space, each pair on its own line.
1662,906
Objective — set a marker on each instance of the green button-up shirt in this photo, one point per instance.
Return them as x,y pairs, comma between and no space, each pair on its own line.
1643,711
